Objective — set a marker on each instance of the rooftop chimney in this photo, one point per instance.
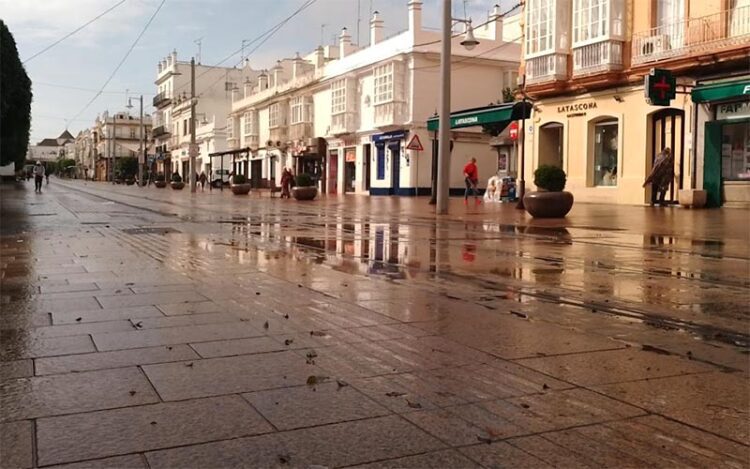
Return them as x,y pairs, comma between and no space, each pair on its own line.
496,22
248,87
262,81
345,43
278,73
415,15
376,28
297,66
320,57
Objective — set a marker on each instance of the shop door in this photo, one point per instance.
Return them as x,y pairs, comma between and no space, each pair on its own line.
380,162
712,164
366,169
668,130
333,171
256,168
395,168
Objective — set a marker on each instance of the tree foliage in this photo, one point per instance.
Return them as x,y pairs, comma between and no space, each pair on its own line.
126,167
15,102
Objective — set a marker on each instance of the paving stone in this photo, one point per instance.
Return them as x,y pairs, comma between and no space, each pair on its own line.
142,428
42,396
23,320
438,459
447,426
112,314
131,461
552,453
64,305
17,346
173,335
16,447
225,348
341,444
172,309
502,455
77,287
716,402
149,299
114,359
614,366
306,406
186,320
81,329
217,376
16,369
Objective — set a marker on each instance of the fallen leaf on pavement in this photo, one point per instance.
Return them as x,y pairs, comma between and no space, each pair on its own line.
395,394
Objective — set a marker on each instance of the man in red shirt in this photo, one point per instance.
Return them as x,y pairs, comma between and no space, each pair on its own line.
471,177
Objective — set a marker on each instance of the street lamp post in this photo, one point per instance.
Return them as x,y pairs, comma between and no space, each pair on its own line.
444,125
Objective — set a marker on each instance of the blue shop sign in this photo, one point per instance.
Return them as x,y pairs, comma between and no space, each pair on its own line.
396,135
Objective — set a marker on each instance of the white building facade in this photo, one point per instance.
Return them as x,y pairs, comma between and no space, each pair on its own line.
116,136
346,114
172,119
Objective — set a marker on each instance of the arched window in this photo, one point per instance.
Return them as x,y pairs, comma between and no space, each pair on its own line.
604,158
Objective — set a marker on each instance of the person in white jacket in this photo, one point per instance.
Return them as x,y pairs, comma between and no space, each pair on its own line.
38,176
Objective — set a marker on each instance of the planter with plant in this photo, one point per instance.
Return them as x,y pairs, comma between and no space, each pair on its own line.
550,201
160,181
177,183
304,188
240,185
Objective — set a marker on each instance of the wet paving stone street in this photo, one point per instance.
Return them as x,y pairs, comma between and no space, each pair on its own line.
152,328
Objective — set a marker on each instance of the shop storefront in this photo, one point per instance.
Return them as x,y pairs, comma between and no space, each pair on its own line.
726,141
309,158
388,163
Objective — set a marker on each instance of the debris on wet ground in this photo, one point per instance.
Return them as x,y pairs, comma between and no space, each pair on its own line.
341,384
132,393
652,349
525,405
312,380
484,439
288,342
413,405
283,458
519,314
189,365
395,394
265,325
318,333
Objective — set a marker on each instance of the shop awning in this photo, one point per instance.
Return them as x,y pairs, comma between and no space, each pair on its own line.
494,118
721,91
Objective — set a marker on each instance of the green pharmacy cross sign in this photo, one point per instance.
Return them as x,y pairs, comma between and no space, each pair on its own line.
660,87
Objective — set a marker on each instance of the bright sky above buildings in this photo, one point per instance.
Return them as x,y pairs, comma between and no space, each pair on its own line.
68,76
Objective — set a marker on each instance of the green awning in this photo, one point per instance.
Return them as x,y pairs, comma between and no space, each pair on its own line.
495,118
721,91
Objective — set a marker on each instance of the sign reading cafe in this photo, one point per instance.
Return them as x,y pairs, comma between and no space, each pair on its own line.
576,107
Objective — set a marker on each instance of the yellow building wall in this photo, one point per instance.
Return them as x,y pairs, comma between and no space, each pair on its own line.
634,142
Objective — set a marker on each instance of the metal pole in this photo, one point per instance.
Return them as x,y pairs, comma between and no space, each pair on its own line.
444,164
114,146
433,171
142,152
521,138
192,151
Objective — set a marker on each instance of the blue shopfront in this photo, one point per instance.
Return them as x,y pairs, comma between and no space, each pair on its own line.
388,164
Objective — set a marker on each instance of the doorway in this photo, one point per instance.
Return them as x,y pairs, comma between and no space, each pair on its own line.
333,171
366,164
551,144
395,149
668,130
350,168
256,168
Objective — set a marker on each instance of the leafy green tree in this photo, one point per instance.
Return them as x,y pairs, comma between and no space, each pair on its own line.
15,102
126,167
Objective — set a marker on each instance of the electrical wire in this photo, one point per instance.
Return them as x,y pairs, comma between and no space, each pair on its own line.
124,58
467,58
74,31
494,18
77,88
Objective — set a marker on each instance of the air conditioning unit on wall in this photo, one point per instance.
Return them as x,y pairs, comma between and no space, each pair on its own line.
655,45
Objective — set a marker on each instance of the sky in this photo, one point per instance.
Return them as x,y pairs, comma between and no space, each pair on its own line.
65,78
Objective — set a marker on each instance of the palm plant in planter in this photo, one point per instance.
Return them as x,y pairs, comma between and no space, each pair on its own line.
550,201
239,184
177,183
160,181
304,188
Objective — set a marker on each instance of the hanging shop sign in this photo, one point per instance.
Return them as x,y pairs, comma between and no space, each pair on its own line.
513,130
384,137
350,155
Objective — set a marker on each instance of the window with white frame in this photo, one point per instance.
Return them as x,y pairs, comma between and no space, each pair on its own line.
383,75
248,123
230,128
274,115
540,15
590,19
338,96
301,110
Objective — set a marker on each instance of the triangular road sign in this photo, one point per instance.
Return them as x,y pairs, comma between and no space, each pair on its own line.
415,144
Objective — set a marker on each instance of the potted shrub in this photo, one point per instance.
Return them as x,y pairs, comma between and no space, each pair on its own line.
304,188
177,183
550,201
160,181
239,184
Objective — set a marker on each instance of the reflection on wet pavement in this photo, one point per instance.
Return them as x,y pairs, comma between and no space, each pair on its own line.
213,330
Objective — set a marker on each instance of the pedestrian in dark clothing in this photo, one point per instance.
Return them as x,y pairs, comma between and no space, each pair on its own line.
286,183
38,176
202,178
661,177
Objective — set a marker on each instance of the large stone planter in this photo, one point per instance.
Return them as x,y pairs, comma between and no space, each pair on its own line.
178,186
241,189
692,198
548,204
304,193
160,184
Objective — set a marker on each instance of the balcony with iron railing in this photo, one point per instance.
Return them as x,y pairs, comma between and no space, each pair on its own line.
545,68
597,57
694,36
162,99
160,131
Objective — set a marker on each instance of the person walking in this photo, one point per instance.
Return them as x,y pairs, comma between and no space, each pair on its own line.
286,183
471,178
202,178
46,176
38,176
661,177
